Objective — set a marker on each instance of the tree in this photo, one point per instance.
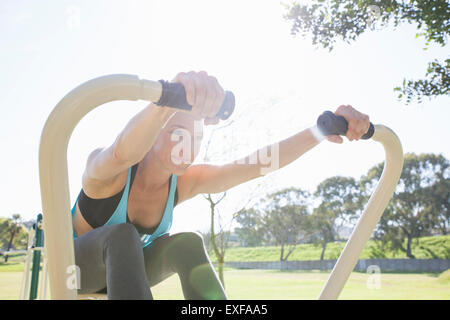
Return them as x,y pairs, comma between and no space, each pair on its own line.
340,203
348,19
409,214
286,219
250,233
10,228
322,222
219,238
219,247
437,196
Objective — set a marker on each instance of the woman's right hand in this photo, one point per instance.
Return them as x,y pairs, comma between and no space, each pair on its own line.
203,93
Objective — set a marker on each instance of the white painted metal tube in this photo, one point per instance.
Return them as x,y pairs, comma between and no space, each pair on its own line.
372,213
25,287
53,165
9,253
43,286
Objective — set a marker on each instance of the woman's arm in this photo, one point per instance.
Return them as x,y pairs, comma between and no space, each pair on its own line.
213,179
130,146
139,135
203,93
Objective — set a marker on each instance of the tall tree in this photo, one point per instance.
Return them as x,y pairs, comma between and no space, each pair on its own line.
220,149
219,247
217,240
322,222
250,231
286,219
340,203
11,228
409,214
330,20
437,196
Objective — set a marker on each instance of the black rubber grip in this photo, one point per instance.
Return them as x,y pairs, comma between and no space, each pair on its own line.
330,124
174,95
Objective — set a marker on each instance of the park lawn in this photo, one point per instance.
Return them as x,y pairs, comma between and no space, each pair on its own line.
15,263
10,283
437,247
289,285
293,285
298,285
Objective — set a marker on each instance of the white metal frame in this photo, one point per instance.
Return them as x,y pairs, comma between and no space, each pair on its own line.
43,279
53,165
25,287
55,188
371,215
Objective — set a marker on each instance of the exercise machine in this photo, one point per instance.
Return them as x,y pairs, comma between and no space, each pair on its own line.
76,104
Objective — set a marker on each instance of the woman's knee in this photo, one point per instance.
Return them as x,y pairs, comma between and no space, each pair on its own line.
124,234
187,246
190,240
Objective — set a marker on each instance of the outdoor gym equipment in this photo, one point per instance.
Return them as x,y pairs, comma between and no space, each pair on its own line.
53,158
86,97
328,123
33,255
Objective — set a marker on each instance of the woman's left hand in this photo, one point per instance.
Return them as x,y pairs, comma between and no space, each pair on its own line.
358,124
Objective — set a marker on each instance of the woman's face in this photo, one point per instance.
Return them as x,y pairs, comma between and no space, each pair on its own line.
178,143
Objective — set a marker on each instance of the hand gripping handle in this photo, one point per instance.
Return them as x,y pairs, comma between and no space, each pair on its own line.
174,95
330,124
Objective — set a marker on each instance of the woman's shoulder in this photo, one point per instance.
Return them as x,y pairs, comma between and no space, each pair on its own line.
96,189
184,185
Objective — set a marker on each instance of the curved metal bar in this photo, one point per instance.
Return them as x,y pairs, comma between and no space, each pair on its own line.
53,167
372,213
55,187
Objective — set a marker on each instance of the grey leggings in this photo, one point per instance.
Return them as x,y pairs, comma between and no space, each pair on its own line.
112,257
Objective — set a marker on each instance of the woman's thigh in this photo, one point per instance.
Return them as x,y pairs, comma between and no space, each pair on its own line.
157,261
175,253
89,259
185,254
109,256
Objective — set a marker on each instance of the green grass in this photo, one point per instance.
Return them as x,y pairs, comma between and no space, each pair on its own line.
10,283
292,285
426,248
297,285
444,277
15,263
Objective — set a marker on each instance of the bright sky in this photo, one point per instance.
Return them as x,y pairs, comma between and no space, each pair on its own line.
281,83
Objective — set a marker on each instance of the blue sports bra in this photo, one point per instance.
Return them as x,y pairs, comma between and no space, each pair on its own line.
120,214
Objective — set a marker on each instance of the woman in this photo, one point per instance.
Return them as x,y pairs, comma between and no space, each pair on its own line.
123,213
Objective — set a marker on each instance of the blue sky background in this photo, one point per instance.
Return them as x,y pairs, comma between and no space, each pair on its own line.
282,84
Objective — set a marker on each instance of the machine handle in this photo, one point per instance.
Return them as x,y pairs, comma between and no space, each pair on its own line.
329,124
174,95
